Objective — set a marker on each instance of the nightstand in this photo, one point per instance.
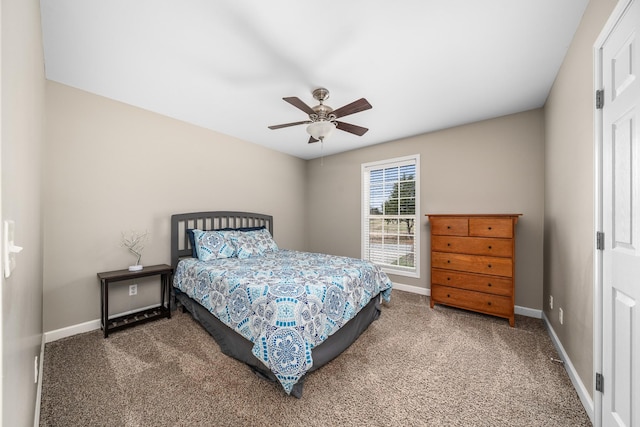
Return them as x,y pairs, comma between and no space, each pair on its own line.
131,319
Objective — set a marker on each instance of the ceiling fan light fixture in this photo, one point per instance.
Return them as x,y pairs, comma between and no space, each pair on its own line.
322,119
321,129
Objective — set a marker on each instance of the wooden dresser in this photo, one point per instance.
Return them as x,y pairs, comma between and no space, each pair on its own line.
473,262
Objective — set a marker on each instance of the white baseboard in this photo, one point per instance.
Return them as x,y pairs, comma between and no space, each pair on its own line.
81,328
524,311
36,414
89,326
582,391
412,289
529,312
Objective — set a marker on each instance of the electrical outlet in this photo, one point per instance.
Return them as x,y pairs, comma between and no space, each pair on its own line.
561,315
133,290
551,302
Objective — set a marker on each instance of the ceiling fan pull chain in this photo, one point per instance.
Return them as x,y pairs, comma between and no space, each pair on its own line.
321,151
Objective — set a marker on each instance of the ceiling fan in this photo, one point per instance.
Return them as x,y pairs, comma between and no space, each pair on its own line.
323,119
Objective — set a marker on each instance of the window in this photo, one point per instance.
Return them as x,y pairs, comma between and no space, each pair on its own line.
390,217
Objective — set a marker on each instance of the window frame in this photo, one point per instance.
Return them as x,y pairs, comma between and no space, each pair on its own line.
366,168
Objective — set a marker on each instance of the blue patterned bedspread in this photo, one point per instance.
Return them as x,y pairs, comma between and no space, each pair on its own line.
284,302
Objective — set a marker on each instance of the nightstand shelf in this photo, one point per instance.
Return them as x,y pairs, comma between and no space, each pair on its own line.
138,317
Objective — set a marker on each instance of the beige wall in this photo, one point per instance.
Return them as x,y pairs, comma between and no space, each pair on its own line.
22,89
112,167
493,166
569,194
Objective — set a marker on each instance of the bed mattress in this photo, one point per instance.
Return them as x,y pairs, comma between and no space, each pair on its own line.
284,303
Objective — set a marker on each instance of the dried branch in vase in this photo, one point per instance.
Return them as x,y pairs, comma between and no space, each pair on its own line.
134,242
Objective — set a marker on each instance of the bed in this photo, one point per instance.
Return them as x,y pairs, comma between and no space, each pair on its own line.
283,313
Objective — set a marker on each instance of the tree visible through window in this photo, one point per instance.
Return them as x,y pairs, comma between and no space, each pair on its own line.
390,214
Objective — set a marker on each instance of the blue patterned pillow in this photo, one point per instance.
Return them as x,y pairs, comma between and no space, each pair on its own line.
253,243
194,253
246,244
213,244
264,240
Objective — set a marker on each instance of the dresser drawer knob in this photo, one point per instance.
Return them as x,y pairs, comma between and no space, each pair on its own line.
489,228
489,265
489,303
448,244
448,278
448,261
489,246
489,284
448,227
448,296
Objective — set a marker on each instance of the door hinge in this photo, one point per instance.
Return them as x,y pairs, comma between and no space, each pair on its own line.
599,382
600,241
599,99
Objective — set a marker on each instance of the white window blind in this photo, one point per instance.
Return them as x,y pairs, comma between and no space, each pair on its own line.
390,217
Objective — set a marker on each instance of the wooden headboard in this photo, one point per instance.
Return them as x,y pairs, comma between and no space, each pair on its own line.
180,223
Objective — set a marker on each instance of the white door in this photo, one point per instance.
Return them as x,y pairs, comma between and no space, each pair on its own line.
621,221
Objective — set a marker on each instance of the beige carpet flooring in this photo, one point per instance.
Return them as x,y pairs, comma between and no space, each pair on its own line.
414,366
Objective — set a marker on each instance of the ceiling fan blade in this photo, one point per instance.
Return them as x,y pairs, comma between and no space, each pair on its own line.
286,125
312,140
355,107
298,103
348,127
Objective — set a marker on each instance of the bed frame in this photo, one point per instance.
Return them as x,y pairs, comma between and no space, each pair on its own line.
231,343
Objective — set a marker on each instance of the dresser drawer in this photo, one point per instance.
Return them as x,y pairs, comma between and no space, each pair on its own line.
473,282
491,227
473,263
450,226
477,301
473,245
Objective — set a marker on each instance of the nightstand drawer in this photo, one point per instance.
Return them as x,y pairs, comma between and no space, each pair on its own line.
473,263
450,226
473,245
477,301
491,227
473,282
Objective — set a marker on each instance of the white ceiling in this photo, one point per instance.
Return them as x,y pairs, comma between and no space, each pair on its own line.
424,65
